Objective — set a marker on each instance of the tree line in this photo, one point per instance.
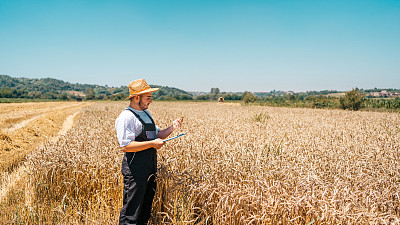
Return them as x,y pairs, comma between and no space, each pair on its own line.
355,99
49,88
352,100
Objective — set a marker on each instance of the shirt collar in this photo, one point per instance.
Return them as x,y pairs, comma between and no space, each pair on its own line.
135,109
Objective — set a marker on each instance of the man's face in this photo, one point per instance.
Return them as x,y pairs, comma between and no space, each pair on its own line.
144,101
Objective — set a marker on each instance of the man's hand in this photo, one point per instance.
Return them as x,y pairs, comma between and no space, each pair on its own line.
158,143
177,123
166,132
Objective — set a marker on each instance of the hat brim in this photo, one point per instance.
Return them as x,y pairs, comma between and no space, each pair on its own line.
143,92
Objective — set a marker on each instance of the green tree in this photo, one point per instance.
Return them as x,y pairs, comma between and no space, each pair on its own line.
186,97
34,94
214,90
290,97
117,97
90,94
202,97
352,100
64,96
236,97
6,92
248,97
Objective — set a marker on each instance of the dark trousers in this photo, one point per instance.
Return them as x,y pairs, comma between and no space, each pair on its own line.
139,190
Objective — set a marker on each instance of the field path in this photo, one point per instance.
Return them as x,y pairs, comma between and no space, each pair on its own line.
8,180
23,123
17,115
67,125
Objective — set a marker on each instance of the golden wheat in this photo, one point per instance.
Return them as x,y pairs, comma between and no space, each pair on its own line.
237,165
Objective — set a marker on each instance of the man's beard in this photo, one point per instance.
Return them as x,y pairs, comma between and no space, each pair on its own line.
143,106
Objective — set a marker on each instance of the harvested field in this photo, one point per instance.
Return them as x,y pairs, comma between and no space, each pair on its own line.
14,113
237,165
25,126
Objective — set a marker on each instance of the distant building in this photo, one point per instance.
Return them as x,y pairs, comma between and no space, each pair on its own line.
381,94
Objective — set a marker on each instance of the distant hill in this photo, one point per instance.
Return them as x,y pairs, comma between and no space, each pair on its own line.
49,88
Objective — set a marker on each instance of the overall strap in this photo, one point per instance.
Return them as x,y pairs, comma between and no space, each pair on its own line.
138,117
149,116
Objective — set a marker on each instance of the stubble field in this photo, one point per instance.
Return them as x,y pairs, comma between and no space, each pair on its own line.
238,165
24,126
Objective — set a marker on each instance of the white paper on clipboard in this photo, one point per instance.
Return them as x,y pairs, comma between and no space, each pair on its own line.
174,137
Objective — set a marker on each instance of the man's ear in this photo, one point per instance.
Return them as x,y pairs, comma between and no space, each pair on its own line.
133,98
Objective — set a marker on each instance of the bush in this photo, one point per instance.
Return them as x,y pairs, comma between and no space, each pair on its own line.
248,97
352,100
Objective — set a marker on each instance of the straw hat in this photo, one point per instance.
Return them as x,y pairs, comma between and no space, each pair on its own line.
138,87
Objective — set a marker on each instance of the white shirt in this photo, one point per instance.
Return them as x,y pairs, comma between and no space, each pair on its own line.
129,127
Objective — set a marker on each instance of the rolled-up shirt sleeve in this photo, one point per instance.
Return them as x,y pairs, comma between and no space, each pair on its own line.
125,133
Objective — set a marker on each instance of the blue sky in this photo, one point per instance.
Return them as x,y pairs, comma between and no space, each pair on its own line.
196,45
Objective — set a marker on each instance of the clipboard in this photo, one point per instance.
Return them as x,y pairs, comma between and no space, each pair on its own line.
174,137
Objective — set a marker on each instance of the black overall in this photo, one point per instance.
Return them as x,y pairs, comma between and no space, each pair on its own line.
139,170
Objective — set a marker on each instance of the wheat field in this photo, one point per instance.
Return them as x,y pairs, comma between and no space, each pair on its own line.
237,165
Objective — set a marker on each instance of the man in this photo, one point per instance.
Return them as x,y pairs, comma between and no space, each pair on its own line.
139,138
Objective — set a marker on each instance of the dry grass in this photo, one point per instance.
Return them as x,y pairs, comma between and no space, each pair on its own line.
238,165
336,95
